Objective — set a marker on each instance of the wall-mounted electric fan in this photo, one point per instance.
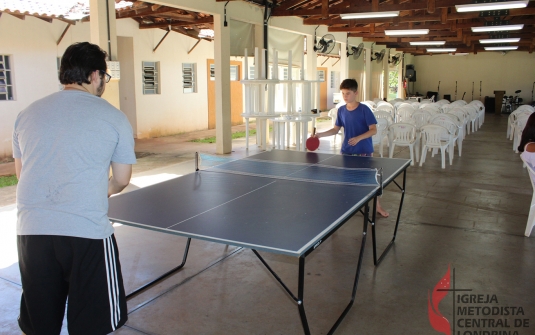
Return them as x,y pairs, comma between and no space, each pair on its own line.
396,59
378,56
325,44
356,51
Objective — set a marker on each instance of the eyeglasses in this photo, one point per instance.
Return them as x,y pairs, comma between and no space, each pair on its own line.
108,76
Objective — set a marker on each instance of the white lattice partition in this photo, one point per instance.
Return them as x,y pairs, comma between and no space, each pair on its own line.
260,103
259,98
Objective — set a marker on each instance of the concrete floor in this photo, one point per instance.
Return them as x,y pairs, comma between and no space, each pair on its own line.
470,216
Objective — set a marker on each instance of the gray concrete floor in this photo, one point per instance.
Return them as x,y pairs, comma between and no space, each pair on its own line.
470,216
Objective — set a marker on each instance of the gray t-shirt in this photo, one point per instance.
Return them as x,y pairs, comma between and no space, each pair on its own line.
66,142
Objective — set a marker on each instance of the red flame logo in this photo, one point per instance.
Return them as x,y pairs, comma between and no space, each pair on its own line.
437,320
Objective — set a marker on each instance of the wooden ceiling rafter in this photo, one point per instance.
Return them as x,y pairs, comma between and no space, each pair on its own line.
439,16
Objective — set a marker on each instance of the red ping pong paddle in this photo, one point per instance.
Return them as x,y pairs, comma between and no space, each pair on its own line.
313,142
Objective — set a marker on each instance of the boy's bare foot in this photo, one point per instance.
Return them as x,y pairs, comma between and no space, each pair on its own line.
382,212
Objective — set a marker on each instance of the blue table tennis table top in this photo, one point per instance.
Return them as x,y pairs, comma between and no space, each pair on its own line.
270,214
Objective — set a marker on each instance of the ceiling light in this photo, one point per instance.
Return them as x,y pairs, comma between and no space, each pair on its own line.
369,15
442,50
428,43
497,28
500,40
459,54
501,48
477,7
407,32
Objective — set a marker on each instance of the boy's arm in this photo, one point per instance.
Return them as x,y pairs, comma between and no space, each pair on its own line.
372,131
333,131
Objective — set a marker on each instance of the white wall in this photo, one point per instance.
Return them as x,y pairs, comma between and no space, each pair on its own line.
31,43
171,111
510,72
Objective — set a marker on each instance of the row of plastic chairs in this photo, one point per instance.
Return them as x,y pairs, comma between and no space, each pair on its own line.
457,121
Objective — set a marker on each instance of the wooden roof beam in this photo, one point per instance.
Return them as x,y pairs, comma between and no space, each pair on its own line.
175,24
124,14
325,9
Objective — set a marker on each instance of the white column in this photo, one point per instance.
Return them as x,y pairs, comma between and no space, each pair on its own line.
344,63
222,86
367,92
99,26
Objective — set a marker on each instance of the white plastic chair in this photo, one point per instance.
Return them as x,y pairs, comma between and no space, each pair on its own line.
473,117
380,114
459,103
462,117
421,118
382,133
403,113
386,108
446,108
445,121
512,120
480,111
519,126
435,137
454,126
403,134
382,102
531,217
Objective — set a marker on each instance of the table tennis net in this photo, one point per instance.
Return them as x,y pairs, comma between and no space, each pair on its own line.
315,173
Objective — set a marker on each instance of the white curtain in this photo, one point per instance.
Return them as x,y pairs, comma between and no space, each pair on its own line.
377,79
357,71
284,41
241,38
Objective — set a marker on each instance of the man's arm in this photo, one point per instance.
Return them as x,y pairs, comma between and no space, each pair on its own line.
121,174
18,167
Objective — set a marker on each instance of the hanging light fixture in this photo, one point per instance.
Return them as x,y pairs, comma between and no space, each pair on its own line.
407,32
478,7
369,15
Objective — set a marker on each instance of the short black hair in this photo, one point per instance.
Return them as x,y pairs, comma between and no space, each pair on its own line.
528,134
349,84
79,61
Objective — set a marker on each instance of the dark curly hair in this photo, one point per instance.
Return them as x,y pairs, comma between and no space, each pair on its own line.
349,84
528,134
79,61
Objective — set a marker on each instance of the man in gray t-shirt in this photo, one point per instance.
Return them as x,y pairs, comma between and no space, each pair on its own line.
64,145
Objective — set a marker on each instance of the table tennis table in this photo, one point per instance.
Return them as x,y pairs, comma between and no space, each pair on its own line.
263,203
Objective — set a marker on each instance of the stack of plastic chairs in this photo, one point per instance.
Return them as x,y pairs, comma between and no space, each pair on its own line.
382,134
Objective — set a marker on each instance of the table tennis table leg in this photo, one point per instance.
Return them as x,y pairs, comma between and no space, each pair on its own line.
165,275
301,279
359,265
376,261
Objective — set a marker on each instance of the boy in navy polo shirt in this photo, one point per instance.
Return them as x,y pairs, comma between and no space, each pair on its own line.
359,126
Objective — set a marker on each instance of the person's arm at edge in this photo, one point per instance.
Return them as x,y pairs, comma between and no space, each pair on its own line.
18,167
530,147
121,174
